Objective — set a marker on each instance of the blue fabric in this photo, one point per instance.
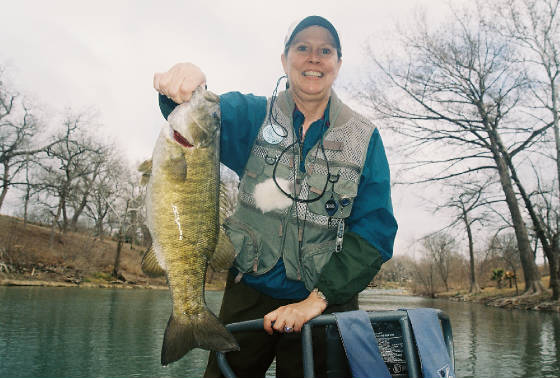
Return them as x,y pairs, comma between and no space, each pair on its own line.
435,359
276,284
313,134
361,345
242,117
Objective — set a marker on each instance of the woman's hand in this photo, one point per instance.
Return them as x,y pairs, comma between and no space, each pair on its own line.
295,315
179,82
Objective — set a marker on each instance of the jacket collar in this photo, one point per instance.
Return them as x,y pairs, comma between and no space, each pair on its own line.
339,113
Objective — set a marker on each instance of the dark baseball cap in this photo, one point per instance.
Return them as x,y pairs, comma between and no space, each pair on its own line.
308,21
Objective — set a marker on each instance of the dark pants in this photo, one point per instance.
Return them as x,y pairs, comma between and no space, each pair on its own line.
257,348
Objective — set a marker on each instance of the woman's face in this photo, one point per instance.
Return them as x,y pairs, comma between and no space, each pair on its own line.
311,64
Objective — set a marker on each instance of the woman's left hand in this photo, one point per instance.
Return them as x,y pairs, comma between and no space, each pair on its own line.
293,316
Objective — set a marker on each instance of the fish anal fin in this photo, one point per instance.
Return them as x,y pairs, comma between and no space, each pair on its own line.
223,256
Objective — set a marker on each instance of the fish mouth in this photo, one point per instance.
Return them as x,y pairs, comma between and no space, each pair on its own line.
313,74
181,139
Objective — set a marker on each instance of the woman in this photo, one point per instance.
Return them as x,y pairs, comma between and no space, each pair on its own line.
314,220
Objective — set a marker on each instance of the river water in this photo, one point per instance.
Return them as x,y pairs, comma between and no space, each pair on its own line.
77,332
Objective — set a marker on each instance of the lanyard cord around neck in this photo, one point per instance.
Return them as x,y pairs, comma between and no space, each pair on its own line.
296,198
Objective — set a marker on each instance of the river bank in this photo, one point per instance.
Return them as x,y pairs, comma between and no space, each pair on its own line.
41,283
64,281
507,298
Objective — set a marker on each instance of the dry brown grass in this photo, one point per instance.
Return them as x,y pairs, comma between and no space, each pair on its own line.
75,256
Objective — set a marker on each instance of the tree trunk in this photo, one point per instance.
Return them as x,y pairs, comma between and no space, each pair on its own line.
26,206
5,184
555,272
533,284
538,225
553,269
556,127
83,203
99,228
118,255
474,288
77,213
120,241
64,216
55,220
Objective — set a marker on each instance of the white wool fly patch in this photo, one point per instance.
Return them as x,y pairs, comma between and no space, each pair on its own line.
268,197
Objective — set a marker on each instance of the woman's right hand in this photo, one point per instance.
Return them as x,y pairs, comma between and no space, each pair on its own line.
179,82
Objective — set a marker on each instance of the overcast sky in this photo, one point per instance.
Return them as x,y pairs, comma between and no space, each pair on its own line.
102,55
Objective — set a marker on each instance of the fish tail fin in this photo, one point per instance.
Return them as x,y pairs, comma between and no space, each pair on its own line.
203,331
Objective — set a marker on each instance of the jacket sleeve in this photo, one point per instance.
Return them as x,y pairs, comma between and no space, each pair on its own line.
371,230
166,105
242,116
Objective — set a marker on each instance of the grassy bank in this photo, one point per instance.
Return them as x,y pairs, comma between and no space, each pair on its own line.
507,297
76,259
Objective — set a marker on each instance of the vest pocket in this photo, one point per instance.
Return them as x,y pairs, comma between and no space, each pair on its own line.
343,195
247,245
315,257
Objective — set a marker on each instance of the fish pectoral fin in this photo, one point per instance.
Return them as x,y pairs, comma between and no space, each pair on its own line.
223,256
204,330
150,264
176,167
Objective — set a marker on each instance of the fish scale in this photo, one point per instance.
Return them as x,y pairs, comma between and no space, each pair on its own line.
183,205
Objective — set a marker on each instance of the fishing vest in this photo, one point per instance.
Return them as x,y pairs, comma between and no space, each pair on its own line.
304,235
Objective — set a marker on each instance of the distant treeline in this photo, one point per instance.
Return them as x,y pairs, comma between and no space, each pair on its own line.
69,178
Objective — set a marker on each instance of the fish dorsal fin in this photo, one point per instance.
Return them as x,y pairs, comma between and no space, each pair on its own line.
150,264
146,169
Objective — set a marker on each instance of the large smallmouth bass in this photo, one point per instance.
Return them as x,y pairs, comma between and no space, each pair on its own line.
182,203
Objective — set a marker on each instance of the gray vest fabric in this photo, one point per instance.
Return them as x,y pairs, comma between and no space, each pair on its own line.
303,234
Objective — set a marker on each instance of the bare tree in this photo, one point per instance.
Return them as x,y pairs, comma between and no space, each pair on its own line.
534,26
469,202
98,157
18,127
459,92
68,163
104,191
440,247
127,211
425,274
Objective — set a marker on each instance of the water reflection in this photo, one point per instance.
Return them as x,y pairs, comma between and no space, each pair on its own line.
46,332
491,342
49,332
